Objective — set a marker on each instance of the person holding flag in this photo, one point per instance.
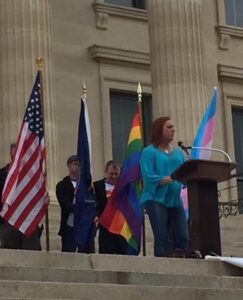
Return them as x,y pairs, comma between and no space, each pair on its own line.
75,193
10,236
84,208
161,195
109,243
25,196
123,214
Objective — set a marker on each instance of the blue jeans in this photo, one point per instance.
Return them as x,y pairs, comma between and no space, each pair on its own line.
169,227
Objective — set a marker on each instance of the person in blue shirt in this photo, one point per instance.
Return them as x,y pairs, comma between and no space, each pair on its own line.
161,195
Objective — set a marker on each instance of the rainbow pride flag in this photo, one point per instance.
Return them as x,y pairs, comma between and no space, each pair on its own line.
203,138
123,214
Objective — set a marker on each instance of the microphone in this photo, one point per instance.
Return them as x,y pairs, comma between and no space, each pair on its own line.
183,147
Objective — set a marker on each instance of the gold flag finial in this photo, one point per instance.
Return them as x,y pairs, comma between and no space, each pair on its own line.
39,63
139,92
84,91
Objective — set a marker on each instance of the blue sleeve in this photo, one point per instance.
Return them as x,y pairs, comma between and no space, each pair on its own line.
182,157
147,165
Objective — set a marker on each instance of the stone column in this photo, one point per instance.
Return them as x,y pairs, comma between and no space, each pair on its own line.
177,62
24,35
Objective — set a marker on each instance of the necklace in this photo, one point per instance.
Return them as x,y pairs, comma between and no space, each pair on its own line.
167,150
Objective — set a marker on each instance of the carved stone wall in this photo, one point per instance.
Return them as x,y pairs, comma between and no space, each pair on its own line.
25,34
177,62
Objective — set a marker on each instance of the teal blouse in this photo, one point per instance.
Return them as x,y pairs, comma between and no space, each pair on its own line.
155,165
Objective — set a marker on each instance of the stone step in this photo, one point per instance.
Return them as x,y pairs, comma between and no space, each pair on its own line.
117,263
89,291
113,277
17,298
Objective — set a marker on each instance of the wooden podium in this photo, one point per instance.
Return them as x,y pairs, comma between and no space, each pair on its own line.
201,178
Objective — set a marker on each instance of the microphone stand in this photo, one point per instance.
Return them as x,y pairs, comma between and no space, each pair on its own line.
185,148
211,149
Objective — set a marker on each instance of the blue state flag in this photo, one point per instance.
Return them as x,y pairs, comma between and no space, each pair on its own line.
84,211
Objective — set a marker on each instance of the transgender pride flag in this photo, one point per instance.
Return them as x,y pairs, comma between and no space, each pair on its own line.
205,133
204,138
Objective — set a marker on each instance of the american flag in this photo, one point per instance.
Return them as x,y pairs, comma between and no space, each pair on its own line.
25,193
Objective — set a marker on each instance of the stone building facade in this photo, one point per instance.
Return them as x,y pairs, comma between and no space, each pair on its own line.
177,49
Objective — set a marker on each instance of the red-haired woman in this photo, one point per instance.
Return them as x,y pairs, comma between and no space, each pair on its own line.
161,195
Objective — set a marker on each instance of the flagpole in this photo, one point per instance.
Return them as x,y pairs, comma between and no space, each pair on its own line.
39,65
140,111
84,91
84,97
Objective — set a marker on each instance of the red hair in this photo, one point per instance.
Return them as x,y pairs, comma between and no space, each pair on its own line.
157,130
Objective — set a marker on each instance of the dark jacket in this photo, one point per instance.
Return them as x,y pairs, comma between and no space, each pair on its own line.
100,196
65,195
3,176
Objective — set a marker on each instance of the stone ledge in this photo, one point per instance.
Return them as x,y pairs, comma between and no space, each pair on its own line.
121,11
236,32
226,33
119,56
230,73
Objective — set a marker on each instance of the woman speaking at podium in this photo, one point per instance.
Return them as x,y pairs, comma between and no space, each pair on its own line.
161,195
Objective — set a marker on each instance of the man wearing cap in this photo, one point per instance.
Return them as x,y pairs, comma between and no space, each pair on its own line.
65,191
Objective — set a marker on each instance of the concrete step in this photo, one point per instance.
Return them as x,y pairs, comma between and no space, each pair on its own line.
42,275
14,298
89,291
231,236
117,263
113,277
